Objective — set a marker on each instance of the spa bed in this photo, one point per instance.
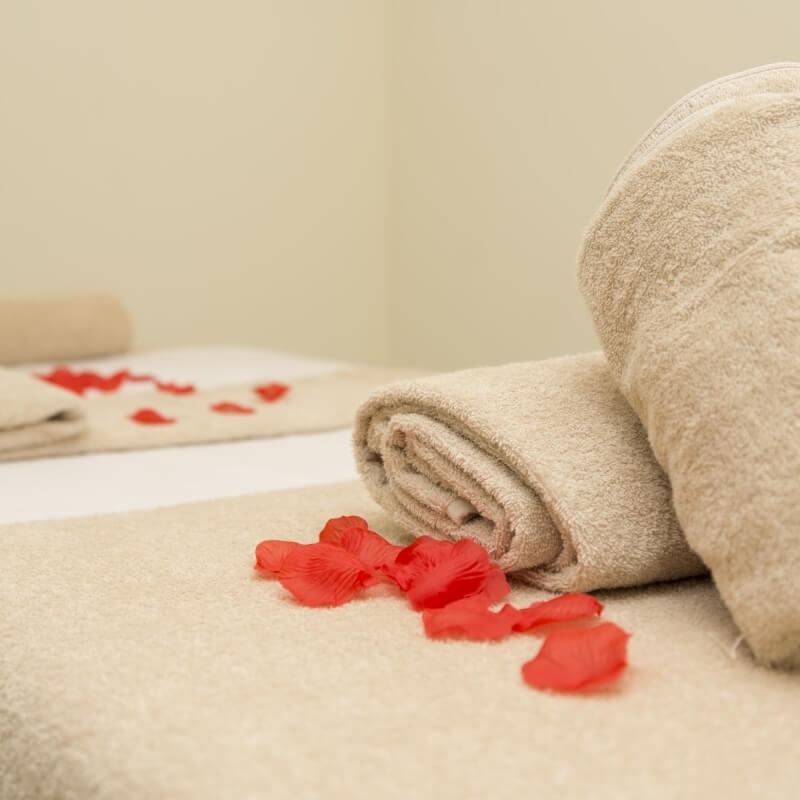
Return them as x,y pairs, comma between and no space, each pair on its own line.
141,656
96,483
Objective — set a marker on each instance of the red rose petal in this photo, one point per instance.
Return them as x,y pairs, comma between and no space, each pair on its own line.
80,382
575,658
109,384
270,392
174,388
564,608
132,378
149,416
335,527
370,547
272,553
435,573
422,554
323,574
469,618
496,584
231,408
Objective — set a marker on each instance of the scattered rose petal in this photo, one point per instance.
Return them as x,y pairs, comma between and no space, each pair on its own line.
323,574
422,554
174,388
454,584
270,392
496,584
80,382
370,547
231,408
472,619
435,573
272,553
335,527
469,618
563,608
576,658
149,416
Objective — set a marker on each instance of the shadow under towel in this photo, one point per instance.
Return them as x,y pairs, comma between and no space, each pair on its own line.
691,270
543,463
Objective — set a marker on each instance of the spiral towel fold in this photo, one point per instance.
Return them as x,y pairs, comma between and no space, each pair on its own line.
34,414
544,463
691,270
61,327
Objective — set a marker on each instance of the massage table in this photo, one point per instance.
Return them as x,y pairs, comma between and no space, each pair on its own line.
142,657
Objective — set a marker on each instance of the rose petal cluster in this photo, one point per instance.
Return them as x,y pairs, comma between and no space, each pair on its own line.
80,382
454,585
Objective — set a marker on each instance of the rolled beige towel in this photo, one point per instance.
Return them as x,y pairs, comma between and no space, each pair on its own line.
691,270
35,414
61,327
543,463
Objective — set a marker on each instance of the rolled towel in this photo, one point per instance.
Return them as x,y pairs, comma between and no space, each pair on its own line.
62,326
543,463
34,413
691,270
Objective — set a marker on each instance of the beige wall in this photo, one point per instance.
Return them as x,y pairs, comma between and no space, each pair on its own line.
401,180
508,119
219,164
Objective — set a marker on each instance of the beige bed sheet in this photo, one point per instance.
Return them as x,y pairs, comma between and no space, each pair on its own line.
141,658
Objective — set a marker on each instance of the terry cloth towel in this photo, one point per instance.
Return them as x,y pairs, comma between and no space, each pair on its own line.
60,327
34,414
691,269
543,463
315,403
142,658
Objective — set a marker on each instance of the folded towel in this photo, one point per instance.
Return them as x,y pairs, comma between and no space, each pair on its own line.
543,463
313,403
35,414
61,327
691,270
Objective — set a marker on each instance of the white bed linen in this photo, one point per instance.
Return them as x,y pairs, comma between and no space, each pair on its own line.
98,483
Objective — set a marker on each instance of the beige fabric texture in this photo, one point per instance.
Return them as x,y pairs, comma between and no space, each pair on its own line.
691,270
34,414
142,658
316,403
62,326
543,463
767,79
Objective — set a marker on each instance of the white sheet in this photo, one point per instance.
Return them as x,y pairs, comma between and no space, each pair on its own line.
104,482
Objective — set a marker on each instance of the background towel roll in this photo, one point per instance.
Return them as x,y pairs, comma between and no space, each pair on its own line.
691,270
543,463
61,327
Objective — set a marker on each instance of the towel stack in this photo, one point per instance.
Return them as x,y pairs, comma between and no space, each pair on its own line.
678,451
33,414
